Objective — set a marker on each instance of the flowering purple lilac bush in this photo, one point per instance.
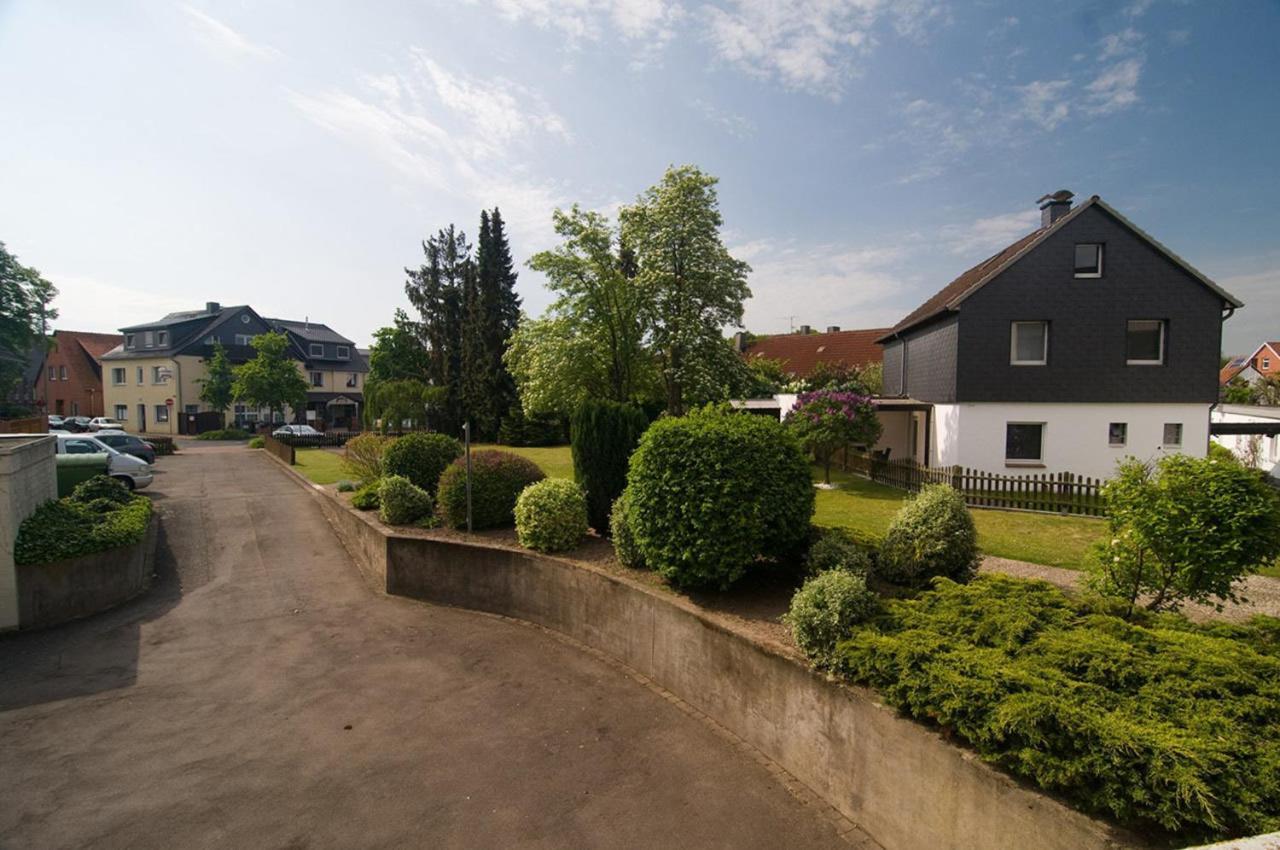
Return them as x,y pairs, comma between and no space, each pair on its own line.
829,420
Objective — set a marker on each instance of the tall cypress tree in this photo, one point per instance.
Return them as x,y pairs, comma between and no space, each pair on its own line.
494,317
440,289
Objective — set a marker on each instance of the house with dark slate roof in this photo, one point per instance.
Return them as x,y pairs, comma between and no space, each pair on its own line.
152,380
1081,343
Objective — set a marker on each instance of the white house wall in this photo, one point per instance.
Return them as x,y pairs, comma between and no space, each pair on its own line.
1264,453
1075,435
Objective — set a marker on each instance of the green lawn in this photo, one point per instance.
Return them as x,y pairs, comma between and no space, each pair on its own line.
867,508
319,465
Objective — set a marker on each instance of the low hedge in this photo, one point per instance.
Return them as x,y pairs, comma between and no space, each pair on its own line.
497,480
1161,724
92,519
224,434
551,515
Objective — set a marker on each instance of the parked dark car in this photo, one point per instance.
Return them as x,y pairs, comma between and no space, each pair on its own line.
128,444
75,424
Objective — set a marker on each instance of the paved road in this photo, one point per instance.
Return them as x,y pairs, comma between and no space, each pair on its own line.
262,696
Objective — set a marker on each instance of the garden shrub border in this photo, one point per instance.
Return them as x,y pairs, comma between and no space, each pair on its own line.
881,771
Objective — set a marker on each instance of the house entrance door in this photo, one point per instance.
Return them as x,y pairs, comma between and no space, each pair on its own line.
142,417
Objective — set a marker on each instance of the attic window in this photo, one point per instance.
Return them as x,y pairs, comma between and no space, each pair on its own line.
344,352
244,318
128,340
316,349
162,338
1089,259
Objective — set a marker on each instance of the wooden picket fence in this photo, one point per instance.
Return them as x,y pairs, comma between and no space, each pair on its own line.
1059,493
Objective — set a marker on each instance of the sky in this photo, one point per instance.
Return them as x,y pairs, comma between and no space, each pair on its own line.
292,155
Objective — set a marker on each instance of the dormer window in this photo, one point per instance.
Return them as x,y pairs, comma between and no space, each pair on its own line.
316,349
162,338
344,352
128,340
1089,259
148,339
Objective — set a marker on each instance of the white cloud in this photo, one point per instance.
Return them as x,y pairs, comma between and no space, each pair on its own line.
1119,44
1116,88
649,24
226,39
990,234
811,45
850,286
1044,102
738,126
460,135
1138,8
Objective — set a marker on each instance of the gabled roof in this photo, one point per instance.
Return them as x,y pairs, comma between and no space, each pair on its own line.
800,353
1247,361
949,298
94,344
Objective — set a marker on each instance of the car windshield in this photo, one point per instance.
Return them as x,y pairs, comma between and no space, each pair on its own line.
85,446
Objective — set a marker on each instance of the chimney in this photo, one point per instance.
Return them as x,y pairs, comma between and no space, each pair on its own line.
833,329
805,329
1054,206
212,306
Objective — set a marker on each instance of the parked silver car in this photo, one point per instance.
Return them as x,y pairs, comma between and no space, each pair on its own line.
130,471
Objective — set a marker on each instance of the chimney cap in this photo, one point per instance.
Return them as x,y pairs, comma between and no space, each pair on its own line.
833,329
212,306
1062,196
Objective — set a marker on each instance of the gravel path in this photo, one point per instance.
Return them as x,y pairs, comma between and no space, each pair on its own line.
1262,592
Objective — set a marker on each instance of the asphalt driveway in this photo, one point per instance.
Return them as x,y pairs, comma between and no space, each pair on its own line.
262,696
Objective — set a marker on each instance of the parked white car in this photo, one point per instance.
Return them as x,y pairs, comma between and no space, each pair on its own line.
130,471
105,423
295,431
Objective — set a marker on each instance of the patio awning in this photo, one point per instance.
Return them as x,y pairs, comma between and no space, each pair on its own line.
333,402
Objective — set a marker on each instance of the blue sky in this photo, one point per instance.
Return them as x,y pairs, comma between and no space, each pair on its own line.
293,154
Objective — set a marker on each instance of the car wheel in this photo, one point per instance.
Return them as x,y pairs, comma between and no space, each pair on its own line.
125,480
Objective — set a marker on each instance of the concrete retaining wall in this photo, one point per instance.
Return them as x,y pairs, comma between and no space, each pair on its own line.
28,479
53,593
899,781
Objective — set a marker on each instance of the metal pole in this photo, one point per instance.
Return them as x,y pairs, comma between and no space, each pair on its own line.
466,434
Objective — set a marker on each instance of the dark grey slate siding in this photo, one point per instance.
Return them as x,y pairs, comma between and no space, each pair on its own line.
893,369
931,361
1087,319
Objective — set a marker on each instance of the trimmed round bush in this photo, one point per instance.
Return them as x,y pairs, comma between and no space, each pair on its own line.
604,434
836,550
421,458
712,492
932,535
551,515
624,542
497,480
366,497
102,487
402,502
362,457
824,611
254,443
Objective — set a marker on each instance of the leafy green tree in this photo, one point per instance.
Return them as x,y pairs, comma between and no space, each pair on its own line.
829,420
217,386
1184,529
591,343
1239,391
398,352
271,379
25,297
690,283
390,403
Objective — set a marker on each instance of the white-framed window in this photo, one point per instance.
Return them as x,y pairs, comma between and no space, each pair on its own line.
1172,434
139,376
1088,259
1118,433
149,339
118,377
1144,342
162,413
244,339
1266,363
1024,443
344,352
53,373
122,412
1029,343
62,373
353,379
316,349
128,340
156,376
162,338
317,379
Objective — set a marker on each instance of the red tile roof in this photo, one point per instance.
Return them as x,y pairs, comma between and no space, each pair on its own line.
800,353
94,344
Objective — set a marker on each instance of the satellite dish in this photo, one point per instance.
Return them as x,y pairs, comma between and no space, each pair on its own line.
165,374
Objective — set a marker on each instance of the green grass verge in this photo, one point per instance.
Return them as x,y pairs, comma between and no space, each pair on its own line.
556,461
320,466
